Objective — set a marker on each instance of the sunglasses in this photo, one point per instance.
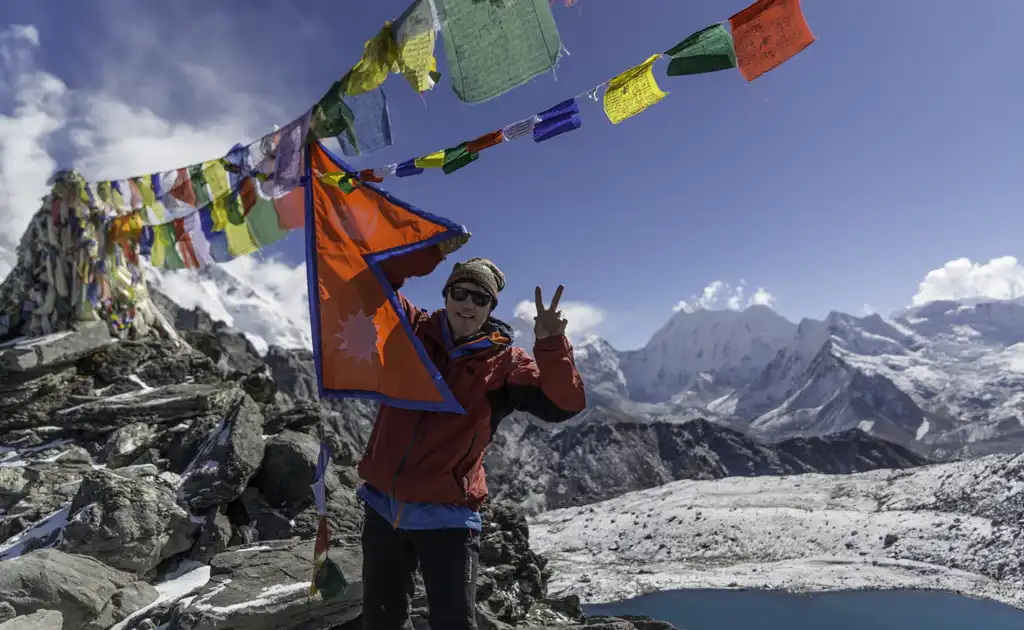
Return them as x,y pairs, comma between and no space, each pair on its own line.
460,294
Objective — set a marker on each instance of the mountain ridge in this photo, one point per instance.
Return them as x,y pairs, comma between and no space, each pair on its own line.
945,378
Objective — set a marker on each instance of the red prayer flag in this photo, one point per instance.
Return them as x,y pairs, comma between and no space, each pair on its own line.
484,142
323,538
368,175
767,34
182,189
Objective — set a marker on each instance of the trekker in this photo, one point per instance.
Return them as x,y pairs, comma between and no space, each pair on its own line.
423,470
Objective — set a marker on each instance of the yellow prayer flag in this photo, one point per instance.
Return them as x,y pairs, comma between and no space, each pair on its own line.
146,190
416,61
153,207
216,177
434,160
632,92
332,178
380,56
240,240
415,34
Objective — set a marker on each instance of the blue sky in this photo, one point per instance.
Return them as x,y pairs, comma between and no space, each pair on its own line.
888,148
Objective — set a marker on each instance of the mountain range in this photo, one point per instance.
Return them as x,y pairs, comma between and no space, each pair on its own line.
943,379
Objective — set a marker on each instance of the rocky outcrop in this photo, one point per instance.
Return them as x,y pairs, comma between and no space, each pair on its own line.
88,593
227,459
129,521
31,492
41,620
268,587
147,462
290,455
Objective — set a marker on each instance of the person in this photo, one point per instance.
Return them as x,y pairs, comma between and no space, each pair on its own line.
423,471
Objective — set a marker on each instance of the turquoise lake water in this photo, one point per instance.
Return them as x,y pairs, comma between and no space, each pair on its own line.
847,610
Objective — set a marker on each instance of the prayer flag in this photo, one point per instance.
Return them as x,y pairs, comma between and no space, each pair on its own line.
708,50
493,47
632,92
767,34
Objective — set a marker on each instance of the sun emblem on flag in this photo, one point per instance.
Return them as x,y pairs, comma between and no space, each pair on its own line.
359,335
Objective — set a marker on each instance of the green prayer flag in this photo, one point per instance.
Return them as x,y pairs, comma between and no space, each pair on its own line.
165,250
707,50
456,158
264,223
104,193
493,46
330,580
199,187
347,183
331,116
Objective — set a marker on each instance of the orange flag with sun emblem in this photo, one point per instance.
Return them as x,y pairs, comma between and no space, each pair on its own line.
363,341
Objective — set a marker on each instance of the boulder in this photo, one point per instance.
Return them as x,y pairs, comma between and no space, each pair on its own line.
26,401
267,586
229,349
344,515
54,350
41,620
150,361
127,443
130,522
227,459
35,491
89,594
290,457
297,417
260,385
214,536
159,405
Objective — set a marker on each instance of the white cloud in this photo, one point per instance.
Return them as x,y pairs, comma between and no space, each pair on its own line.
999,278
38,105
583,319
111,137
719,295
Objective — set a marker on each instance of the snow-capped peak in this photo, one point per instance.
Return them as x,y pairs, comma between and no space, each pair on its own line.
599,365
732,346
274,314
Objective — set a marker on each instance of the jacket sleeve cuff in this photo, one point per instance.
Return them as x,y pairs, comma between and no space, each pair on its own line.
553,343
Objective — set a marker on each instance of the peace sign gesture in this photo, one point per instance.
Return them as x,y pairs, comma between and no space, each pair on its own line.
550,322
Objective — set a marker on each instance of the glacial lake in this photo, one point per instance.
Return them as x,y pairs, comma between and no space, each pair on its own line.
844,610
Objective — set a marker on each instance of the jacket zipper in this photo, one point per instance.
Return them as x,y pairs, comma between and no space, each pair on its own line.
401,465
455,471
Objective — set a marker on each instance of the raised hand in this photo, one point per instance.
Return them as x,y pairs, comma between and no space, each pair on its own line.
550,322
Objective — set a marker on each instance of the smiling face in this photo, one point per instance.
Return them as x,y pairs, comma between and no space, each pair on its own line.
468,307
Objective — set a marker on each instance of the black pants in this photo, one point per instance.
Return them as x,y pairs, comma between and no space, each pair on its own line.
448,560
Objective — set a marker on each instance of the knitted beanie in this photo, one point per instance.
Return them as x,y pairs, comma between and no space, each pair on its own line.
480,272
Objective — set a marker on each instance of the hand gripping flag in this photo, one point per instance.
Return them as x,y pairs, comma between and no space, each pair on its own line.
363,342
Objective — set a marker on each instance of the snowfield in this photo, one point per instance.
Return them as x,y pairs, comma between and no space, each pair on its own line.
954,527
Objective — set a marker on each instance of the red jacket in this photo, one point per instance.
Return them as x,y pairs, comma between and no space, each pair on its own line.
431,457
